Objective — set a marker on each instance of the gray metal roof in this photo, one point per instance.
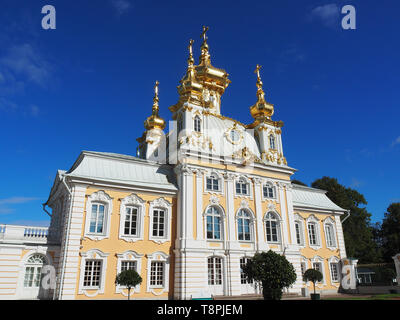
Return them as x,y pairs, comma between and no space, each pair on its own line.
123,169
305,197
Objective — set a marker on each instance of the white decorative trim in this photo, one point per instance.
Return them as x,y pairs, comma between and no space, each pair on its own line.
332,223
279,227
313,219
321,261
129,255
244,205
102,198
336,260
300,220
97,255
220,178
153,257
132,201
249,187
165,205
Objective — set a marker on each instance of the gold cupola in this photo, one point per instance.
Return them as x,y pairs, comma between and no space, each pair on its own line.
261,110
155,121
210,77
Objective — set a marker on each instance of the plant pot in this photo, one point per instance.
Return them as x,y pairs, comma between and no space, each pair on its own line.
315,296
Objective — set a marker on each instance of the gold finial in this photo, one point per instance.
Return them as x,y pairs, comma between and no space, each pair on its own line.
257,71
205,55
261,108
203,34
154,121
190,47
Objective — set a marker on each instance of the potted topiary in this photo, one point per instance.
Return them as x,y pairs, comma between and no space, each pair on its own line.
128,278
313,276
273,270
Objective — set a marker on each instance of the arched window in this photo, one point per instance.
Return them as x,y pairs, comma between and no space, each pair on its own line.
214,224
269,191
33,271
197,124
244,221
272,227
272,141
97,218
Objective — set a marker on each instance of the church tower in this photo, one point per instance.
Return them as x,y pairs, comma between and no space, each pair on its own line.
152,143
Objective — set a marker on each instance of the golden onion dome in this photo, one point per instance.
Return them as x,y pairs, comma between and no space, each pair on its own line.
262,108
155,121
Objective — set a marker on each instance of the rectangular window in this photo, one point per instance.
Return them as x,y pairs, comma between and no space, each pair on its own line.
92,274
29,275
298,232
212,184
334,272
330,240
128,265
158,223
243,278
97,219
312,234
241,188
268,192
214,271
131,221
303,268
213,227
157,274
317,266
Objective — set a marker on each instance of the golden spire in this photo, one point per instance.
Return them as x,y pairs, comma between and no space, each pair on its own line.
154,121
261,109
205,55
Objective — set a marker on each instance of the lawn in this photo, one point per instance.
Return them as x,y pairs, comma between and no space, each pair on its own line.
392,296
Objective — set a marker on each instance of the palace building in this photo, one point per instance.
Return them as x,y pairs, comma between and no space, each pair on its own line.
187,212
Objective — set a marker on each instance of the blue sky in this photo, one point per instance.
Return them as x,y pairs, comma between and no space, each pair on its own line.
88,85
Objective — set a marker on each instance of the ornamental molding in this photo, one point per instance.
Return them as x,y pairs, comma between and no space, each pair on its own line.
214,200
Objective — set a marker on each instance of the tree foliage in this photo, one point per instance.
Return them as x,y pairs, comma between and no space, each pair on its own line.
357,229
389,232
299,182
273,270
128,278
312,275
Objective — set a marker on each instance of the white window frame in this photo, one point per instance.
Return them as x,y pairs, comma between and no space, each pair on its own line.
278,227
93,254
331,223
132,256
222,270
197,123
160,204
318,259
243,180
222,222
220,182
272,147
303,260
300,221
251,223
132,200
314,220
99,197
273,191
335,260
158,256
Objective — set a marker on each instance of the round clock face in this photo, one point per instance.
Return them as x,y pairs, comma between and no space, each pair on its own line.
234,136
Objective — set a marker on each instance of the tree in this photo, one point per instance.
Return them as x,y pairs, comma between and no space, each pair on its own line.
312,275
357,229
390,232
128,278
273,270
298,182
